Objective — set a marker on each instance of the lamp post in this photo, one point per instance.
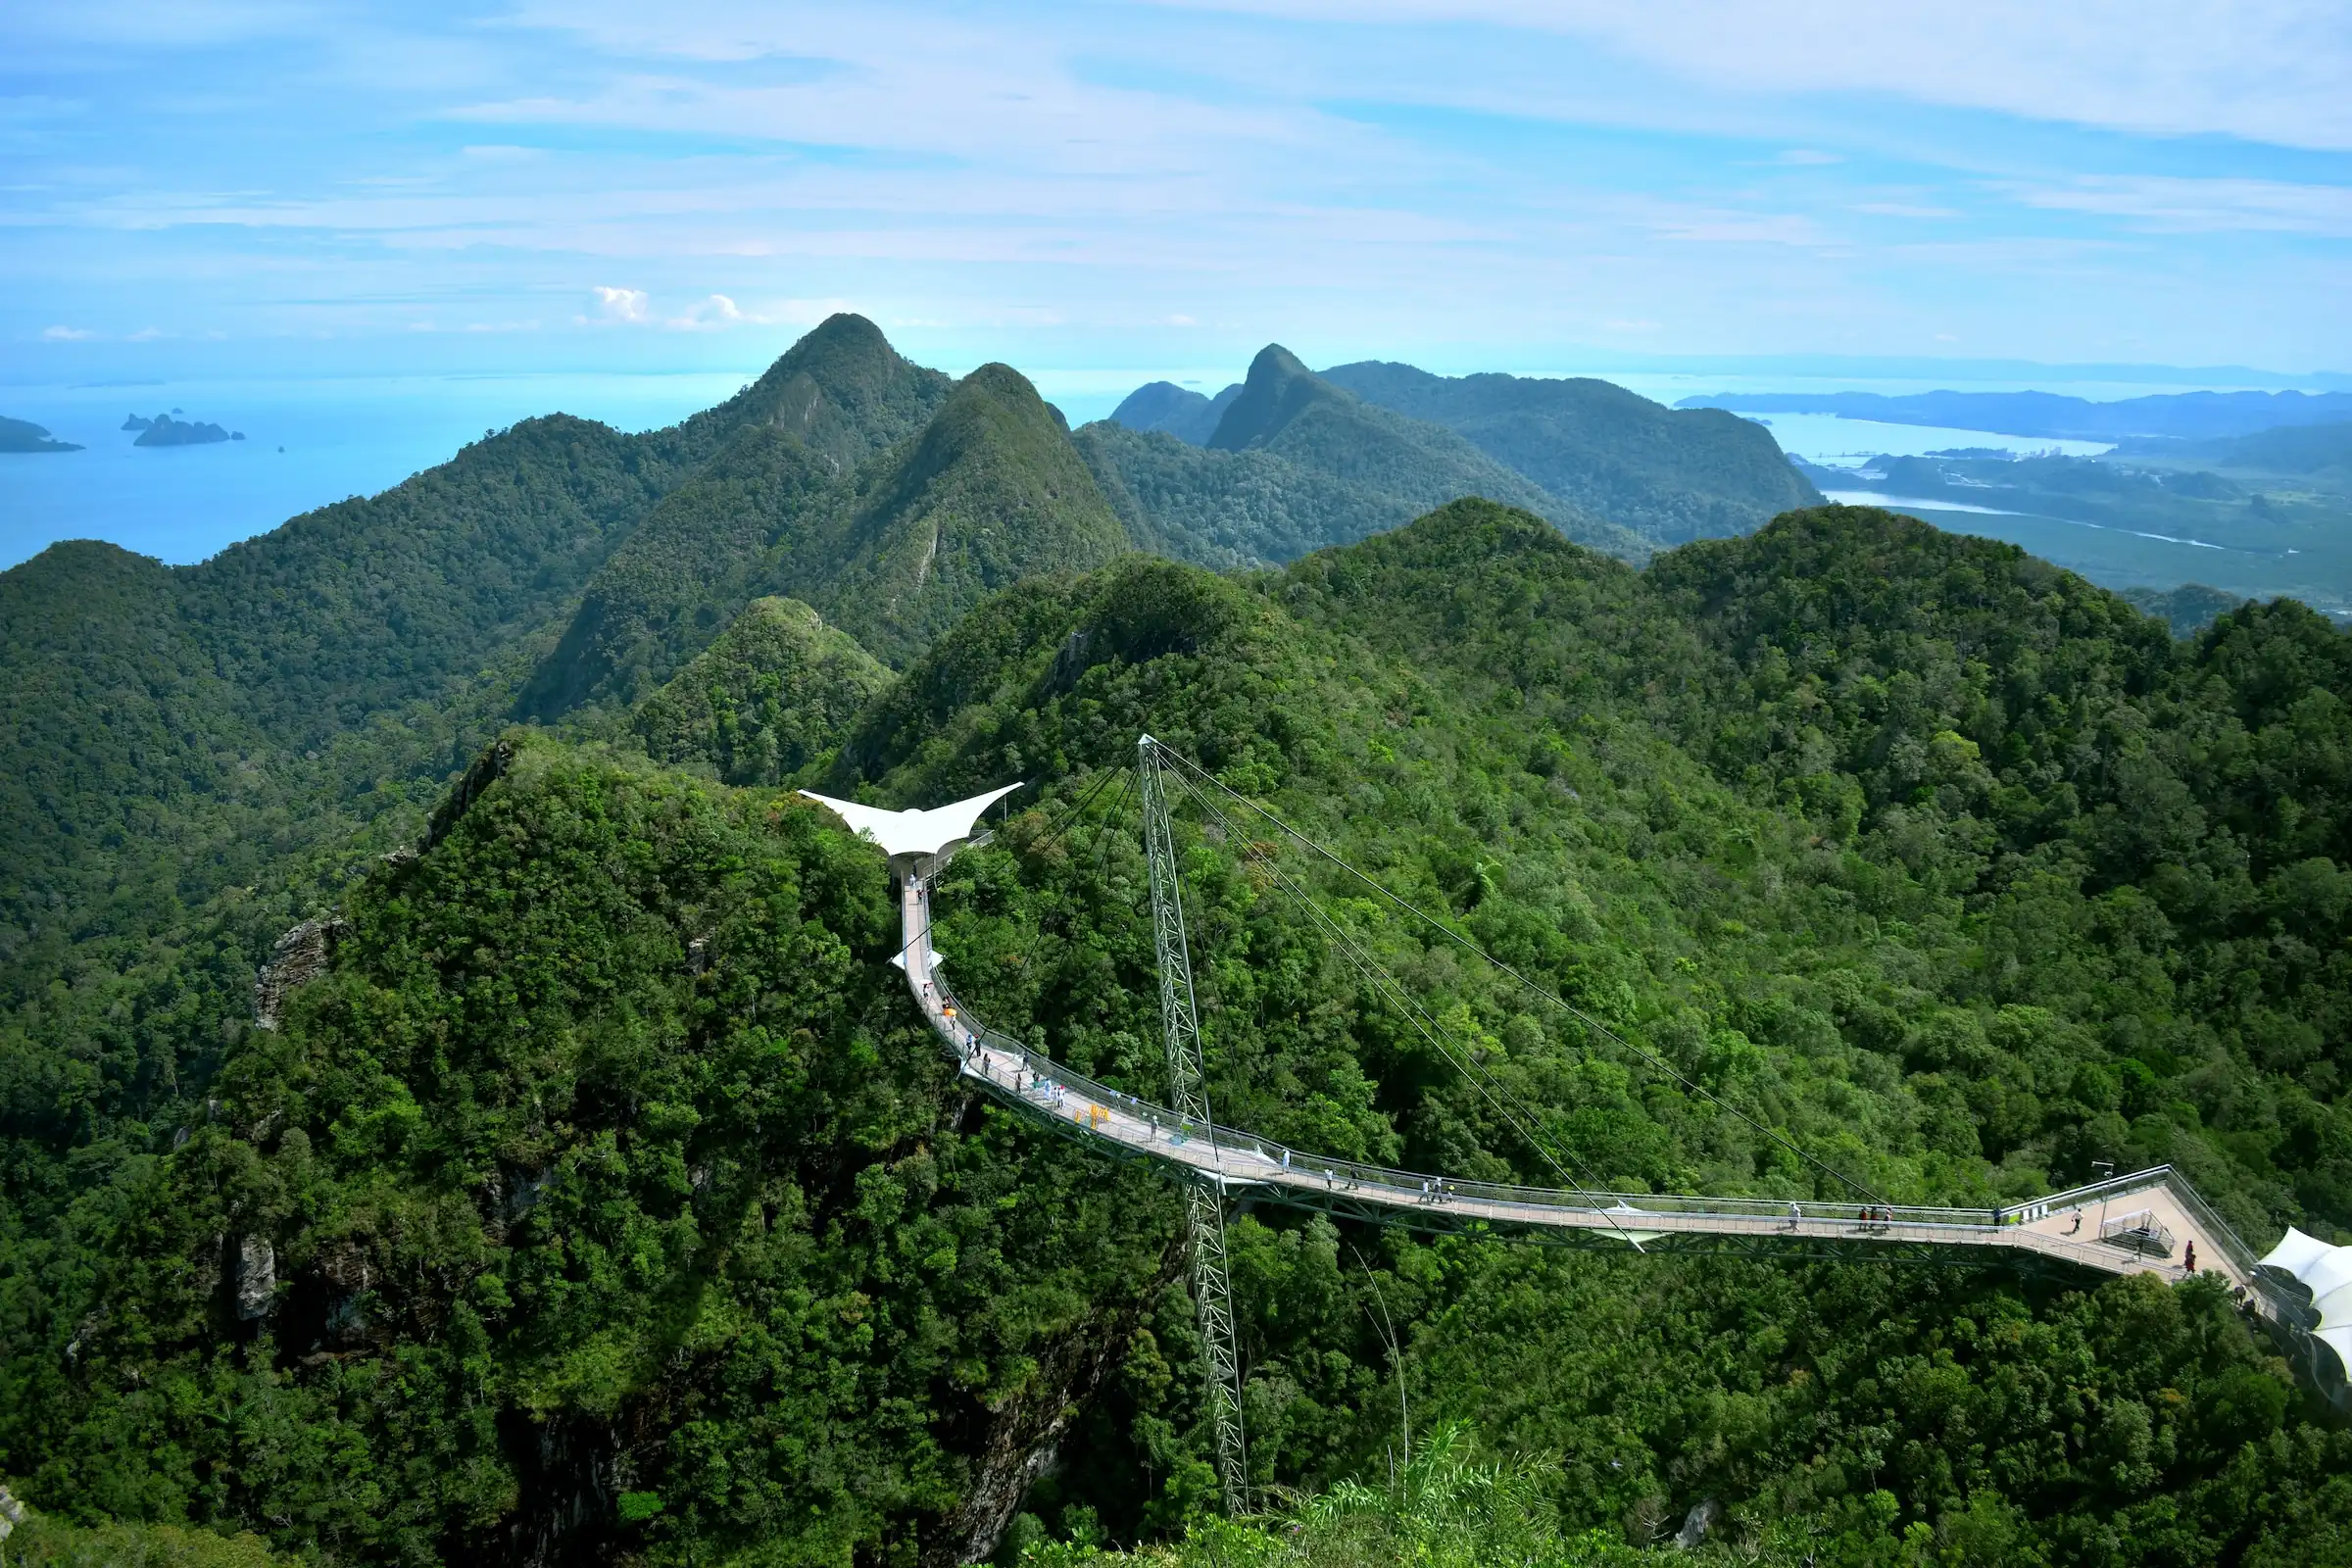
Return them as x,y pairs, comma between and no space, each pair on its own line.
2106,1170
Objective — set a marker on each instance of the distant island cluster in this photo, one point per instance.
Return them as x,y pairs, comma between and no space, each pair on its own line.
163,431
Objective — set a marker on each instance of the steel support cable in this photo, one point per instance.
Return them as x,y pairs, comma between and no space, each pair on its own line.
1587,1019
1062,825
1103,836
1523,1121
1069,818
1070,813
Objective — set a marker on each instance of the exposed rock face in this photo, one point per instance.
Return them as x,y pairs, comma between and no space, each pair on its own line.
302,955
1697,1523
257,1278
1022,1437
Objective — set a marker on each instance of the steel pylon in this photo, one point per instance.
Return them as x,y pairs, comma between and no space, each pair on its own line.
1187,1096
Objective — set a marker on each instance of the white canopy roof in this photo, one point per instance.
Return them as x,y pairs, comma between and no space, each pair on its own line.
931,832
2327,1275
2297,1252
2328,1271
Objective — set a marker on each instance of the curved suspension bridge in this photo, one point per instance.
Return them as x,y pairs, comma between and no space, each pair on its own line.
2150,1221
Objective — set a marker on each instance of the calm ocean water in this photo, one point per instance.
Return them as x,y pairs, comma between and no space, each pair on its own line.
305,444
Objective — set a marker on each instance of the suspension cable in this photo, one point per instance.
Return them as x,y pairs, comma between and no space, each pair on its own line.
1523,1121
1587,1019
1102,836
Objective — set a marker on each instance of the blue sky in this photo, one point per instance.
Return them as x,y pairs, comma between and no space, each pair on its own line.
282,190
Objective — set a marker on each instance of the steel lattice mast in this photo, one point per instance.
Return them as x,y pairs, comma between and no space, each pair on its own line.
1188,1094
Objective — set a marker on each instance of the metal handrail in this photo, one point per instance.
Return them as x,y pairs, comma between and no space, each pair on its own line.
1622,1210
1415,1186
1285,1166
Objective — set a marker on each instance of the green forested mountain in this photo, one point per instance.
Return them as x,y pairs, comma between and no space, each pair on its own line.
609,1079
1296,463
1670,475
789,447
589,1189
614,1199
775,693
991,493
2320,454
1188,415
158,727
892,546
2189,608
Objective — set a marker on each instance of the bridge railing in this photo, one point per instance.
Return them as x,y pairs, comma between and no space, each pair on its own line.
2240,1256
1246,1159
1249,1158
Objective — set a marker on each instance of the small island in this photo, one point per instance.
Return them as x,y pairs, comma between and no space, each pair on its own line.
165,432
22,435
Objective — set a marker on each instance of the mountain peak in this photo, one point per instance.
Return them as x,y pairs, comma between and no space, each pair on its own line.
1188,415
991,493
770,695
842,391
1277,389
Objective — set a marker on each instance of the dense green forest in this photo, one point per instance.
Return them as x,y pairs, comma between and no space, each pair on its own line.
1296,463
587,1187
1670,475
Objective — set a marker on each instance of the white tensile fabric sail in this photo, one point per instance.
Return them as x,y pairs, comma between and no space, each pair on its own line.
2327,1272
932,832
2297,1252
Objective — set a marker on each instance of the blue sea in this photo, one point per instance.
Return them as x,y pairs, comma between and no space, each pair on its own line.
307,443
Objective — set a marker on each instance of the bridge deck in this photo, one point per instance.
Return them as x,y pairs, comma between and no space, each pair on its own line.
2065,1227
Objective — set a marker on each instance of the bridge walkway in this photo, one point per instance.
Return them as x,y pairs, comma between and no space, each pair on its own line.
2150,1218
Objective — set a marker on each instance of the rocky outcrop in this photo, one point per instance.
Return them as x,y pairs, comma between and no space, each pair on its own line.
1022,1436
301,957
256,1281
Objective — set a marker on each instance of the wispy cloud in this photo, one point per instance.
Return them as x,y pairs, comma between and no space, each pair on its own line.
67,334
1712,174
1903,210
2161,204
2269,70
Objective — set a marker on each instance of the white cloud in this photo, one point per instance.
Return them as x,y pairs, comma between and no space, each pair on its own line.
715,314
67,334
2269,70
2168,205
629,305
